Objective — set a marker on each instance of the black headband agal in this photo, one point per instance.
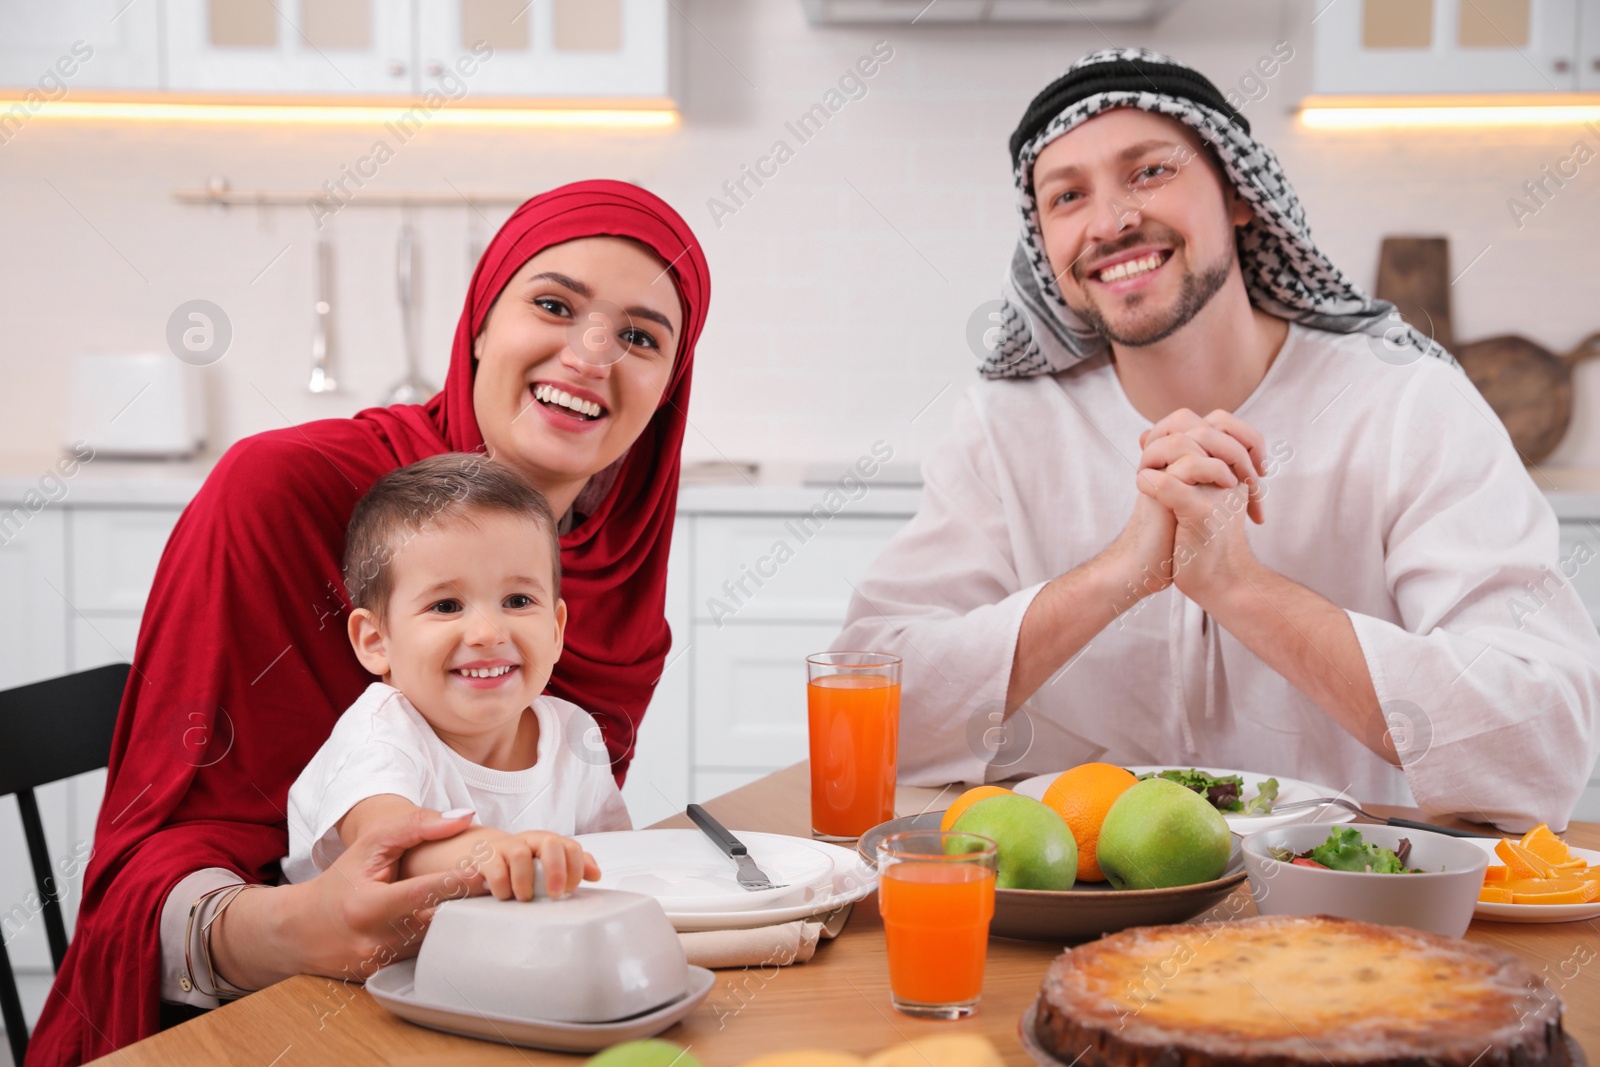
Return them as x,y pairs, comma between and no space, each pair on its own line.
1120,75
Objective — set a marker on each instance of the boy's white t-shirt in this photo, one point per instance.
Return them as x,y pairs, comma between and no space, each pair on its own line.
382,744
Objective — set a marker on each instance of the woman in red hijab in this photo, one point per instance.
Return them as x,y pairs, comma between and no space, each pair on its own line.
572,363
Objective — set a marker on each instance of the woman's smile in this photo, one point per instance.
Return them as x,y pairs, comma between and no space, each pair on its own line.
568,407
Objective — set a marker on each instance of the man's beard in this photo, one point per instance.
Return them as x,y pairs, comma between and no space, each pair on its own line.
1196,293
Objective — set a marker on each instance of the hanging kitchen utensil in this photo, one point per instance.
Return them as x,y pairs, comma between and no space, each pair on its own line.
1414,276
412,389
1528,386
322,325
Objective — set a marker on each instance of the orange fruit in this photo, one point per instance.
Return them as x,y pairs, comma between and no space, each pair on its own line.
1523,864
1496,874
967,799
1082,796
1559,893
1495,894
1547,846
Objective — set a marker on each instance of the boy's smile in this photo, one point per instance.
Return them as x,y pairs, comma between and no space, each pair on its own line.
472,633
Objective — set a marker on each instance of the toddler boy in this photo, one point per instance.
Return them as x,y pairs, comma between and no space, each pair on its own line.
453,567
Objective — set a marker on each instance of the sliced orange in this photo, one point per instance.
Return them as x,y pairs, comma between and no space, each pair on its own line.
1546,845
1523,864
1575,895
1496,874
1496,894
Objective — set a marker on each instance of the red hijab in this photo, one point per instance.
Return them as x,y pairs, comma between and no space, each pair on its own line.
242,664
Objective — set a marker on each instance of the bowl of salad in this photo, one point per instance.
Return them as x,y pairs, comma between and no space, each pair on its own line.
1375,873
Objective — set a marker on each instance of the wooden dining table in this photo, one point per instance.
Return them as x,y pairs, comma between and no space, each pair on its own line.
839,999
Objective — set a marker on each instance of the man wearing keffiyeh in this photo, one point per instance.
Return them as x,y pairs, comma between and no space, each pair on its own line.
1097,571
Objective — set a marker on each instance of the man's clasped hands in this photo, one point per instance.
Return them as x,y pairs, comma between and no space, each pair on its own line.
1198,478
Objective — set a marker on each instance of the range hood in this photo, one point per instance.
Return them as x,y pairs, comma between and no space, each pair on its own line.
999,11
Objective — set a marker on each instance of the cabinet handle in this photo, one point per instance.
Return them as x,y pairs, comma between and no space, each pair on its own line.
1561,65
1595,63
396,68
435,68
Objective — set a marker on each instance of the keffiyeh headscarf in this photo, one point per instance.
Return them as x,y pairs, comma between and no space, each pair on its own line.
1284,272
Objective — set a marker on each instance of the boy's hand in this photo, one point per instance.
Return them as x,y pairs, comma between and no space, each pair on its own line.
508,871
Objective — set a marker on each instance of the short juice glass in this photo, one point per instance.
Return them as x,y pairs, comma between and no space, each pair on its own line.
936,895
853,705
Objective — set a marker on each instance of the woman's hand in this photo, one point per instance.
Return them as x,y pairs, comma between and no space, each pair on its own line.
1220,449
509,871
348,921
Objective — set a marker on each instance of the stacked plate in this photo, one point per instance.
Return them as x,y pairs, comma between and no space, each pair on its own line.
698,885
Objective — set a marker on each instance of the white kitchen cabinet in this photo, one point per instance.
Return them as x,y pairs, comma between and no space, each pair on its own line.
590,49
658,782
333,47
1452,46
33,574
114,554
750,691
1588,61
57,47
464,50
783,566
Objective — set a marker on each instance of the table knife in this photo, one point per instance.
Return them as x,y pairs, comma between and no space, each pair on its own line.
750,876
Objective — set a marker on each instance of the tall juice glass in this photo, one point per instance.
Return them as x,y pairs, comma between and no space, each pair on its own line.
853,703
936,895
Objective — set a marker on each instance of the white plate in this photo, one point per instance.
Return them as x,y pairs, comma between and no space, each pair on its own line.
1289,790
1535,913
849,881
686,872
395,988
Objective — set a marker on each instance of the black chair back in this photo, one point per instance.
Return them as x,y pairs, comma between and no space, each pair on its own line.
49,731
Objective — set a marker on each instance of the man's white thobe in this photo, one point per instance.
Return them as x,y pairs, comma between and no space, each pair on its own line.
1394,492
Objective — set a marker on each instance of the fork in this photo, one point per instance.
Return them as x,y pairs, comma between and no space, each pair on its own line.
1407,823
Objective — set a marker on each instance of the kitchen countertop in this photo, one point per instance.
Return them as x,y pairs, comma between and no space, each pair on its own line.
775,488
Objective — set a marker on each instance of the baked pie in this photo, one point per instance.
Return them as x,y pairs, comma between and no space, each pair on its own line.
1285,990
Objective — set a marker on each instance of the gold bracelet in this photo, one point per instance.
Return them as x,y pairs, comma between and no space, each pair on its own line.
188,981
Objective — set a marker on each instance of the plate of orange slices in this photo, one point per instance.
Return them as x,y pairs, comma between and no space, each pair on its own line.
1538,878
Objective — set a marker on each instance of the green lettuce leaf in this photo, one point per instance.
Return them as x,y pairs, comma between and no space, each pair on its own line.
1344,850
1267,795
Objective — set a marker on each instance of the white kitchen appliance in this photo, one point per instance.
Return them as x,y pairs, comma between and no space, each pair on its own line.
144,405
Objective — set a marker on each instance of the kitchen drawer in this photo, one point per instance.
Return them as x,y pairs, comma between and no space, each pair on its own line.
1580,562
754,568
750,692
114,552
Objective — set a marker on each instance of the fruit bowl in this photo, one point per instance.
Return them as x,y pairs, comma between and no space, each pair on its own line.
1087,910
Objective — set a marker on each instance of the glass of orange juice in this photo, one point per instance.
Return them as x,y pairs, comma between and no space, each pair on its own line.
853,703
936,895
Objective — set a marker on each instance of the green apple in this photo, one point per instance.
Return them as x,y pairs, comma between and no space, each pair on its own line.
1159,834
650,1053
1034,845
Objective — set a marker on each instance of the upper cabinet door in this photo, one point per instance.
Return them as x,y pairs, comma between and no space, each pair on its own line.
1447,46
355,47
572,49
1588,57
56,47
